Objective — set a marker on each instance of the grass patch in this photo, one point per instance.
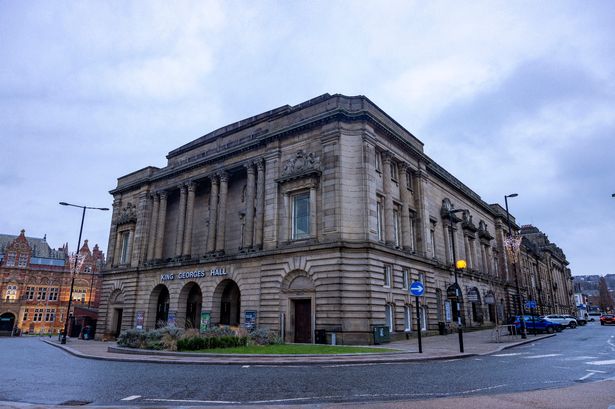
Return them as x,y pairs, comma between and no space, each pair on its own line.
296,349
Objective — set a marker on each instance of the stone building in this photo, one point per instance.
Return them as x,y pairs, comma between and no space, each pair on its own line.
310,220
35,285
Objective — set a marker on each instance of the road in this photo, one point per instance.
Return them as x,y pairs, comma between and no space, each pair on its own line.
35,372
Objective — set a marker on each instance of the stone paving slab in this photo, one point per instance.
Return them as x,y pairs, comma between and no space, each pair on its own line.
434,348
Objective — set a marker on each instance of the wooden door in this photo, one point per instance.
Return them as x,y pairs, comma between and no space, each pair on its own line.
303,321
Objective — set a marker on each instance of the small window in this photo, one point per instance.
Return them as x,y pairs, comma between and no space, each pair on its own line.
409,181
406,278
53,294
378,161
10,260
387,276
300,215
23,260
25,315
423,315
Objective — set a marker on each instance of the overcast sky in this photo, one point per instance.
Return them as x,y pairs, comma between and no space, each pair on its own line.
507,96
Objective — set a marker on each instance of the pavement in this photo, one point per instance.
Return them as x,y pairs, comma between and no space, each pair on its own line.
437,347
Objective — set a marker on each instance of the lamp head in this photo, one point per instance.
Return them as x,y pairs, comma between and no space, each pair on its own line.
512,195
64,203
461,264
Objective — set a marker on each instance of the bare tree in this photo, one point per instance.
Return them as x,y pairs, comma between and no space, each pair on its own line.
604,298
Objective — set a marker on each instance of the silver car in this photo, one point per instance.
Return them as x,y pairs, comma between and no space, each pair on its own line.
565,321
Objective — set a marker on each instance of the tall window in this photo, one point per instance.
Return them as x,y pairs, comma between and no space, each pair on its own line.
394,174
10,260
432,239
409,180
407,318
406,278
423,312
301,215
396,226
42,294
29,293
412,233
388,273
388,313
25,315
124,246
379,217
439,312
378,161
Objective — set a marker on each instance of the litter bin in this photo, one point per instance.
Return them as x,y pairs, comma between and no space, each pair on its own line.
381,335
320,336
442,328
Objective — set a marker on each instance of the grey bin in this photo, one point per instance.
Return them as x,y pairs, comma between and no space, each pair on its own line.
381,335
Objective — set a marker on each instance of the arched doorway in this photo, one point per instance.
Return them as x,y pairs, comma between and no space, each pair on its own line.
7,322
228,297
192,297
299,296
477,306
115,313
160,300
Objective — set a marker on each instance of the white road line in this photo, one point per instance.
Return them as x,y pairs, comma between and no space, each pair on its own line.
580,358
192,401
245,366
511,354
607,362
595,370
611,344
541,356
133,397
587,376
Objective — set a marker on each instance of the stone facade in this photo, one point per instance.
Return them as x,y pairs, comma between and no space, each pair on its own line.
307,220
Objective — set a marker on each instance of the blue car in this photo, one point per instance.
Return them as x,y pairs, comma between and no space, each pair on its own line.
535,324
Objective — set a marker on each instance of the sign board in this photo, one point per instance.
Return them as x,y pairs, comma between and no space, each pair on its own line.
530,304
489,299
205,321
448,315
140,318
417,289
171,319
250,319
473,295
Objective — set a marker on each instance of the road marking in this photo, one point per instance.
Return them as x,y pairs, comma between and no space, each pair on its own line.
511,354
192,401
611,344
541,356
595,370
607,362
580,358
245,366
587,376
133,397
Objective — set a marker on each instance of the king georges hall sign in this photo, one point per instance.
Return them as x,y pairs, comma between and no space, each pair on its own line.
184,275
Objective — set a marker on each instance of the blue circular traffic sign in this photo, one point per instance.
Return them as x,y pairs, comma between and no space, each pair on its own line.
417,289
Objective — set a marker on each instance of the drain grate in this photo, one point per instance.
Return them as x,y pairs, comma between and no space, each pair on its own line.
75,403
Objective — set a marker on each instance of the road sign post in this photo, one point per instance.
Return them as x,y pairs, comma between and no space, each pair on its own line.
417,289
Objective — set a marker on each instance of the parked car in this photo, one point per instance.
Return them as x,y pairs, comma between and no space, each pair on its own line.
607,319
594,316
535,324
580,320
562,320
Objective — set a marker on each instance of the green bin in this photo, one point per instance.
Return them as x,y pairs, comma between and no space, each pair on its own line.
381,335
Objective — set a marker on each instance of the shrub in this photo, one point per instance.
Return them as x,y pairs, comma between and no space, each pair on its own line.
264,336
160,338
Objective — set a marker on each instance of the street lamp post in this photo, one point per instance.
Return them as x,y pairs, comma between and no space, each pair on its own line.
72,283
512,250
451,213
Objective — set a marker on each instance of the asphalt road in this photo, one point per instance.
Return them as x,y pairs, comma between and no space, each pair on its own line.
34,372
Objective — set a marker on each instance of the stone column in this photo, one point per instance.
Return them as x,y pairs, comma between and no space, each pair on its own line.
260,203
153,222
222,211
162,219
213,214
406,233
181,221
113,233
424,222
389,233
139,247
313,232
249,226
189,216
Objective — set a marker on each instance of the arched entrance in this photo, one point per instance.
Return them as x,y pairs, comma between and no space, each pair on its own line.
299,298
7,322
159,303
115,313
477,306
227,298
192,297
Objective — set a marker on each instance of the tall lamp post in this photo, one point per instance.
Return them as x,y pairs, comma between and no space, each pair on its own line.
513,246
72,283
461,264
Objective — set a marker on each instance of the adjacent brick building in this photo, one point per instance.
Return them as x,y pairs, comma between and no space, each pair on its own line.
310,220
35,286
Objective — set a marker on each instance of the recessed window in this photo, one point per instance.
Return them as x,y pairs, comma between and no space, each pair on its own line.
406,278
409,181
394,173
379,217
388,313
378,161
407,318
23,260
53,294
388,275
10,260
124,246
300,215
396,227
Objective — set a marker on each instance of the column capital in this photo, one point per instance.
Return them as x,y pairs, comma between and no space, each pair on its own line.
260,164
404,166
224,176
163,194
249,167
387,156
191,185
